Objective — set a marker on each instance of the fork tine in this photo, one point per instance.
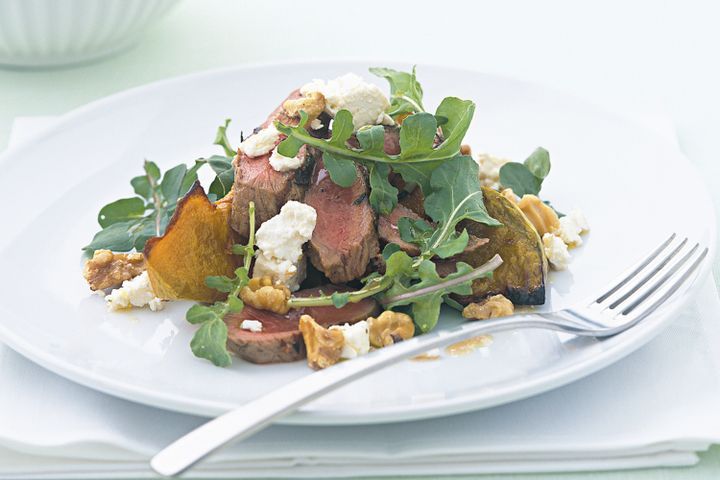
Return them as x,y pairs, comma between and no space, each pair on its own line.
637,270
649,276
673,288
660,282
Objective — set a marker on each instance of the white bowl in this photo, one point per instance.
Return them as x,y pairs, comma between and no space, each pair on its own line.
37,33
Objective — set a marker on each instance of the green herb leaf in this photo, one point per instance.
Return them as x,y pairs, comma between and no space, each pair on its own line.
342,171
225,175
199,314
456,196
342,129
172,182
459,114
371,139
210,342
406,94
118,237
220,283
141,186
235,305
221,139
389,249
417,134
526,178
426,296
123,210
539,163
520,179
191,176
152,170
383,195
292,144
415,230
398,264
417,173
453,245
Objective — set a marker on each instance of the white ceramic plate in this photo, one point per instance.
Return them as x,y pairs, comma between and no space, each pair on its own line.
633,185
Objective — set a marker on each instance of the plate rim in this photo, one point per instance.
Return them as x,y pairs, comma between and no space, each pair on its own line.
308,416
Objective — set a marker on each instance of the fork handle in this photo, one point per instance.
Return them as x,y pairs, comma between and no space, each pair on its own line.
252,417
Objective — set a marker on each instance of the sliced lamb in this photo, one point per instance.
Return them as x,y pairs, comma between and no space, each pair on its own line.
256,180
345,238
280,339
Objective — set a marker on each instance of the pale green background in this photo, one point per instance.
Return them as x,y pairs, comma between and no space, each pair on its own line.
644,55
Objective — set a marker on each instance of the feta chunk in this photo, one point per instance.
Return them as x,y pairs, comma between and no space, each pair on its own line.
356,339
571,227
252,325
260,143
489,169
281,163
316,124
136,292
280,241
365,101
556,251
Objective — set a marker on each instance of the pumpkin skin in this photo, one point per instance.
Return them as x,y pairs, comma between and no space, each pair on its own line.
521,278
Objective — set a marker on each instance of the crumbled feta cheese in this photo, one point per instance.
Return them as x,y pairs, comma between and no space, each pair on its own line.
356,339
571,227
136,292
556,251
316,124
252,325
280,242
365,101
489,169
281,163
261,142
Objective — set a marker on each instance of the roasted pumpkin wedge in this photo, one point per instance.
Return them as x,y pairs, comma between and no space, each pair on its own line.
521,277
197,243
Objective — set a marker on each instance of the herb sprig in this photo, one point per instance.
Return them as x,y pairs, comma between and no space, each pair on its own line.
526,178
406,93
129,222
210,340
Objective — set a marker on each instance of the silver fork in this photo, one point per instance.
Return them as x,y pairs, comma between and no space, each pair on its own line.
649,285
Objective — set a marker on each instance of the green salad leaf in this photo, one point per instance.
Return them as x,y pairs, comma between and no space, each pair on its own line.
427,294
406,94
221,139
526,178
128,223
418,157
455,196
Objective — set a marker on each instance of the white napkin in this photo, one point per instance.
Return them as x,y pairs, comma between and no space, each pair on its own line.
658,407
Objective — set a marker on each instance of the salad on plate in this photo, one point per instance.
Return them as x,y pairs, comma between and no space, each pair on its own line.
343,223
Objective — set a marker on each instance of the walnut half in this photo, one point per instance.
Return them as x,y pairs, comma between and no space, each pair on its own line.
390,327
543,218
313,103
491,307
324,347
263,294
108,270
